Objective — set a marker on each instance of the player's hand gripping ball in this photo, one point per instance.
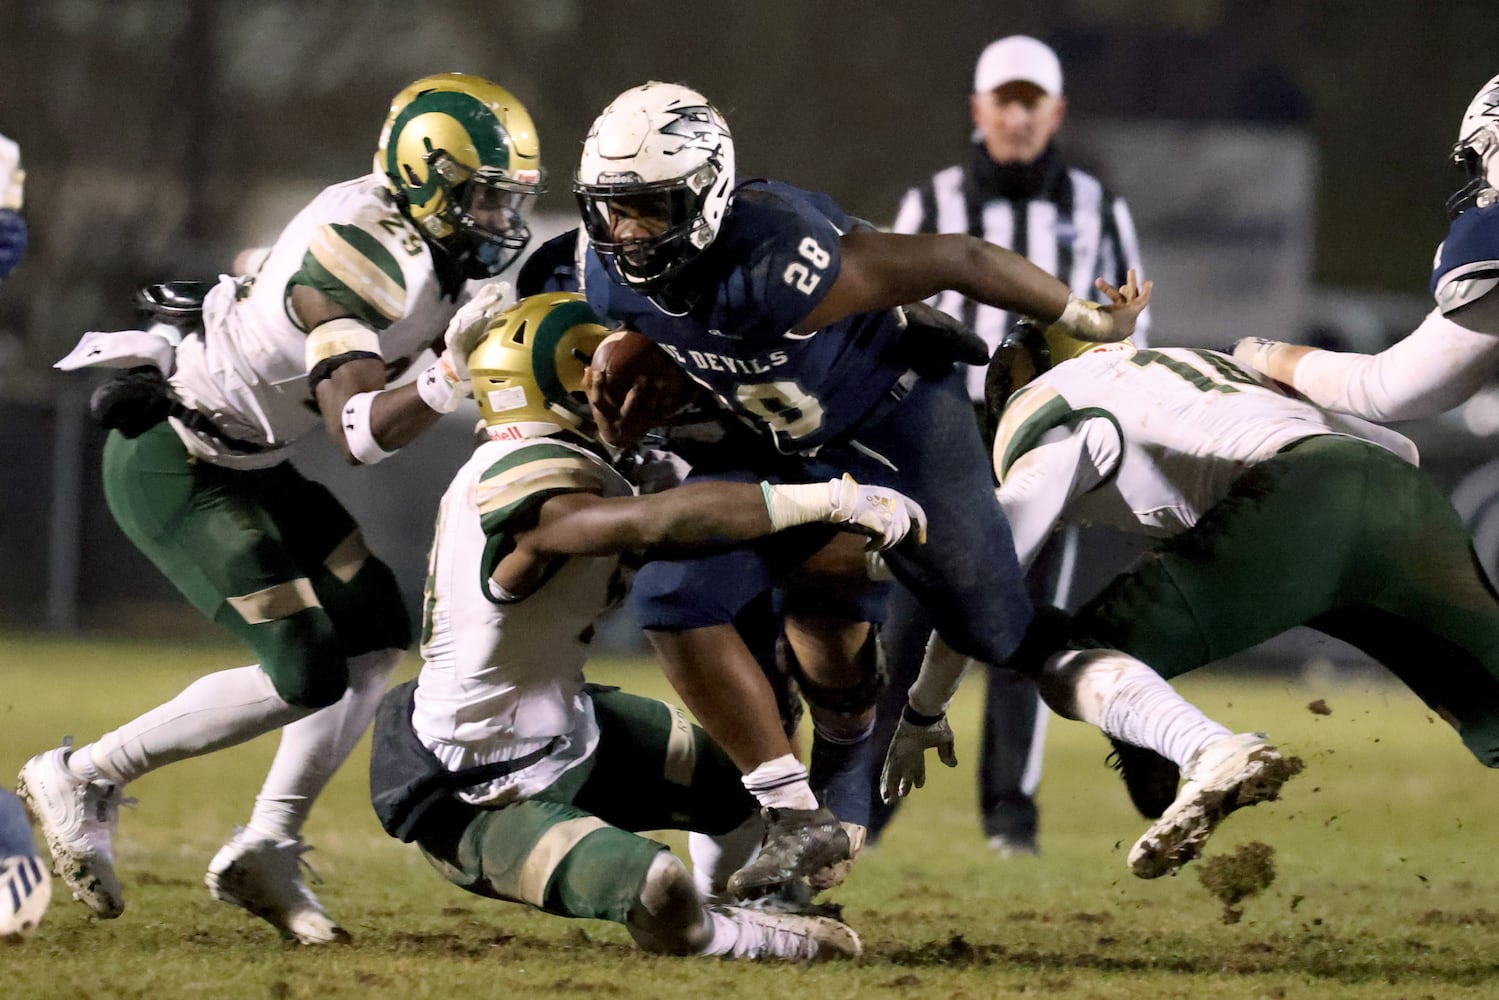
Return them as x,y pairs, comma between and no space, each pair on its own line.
633,385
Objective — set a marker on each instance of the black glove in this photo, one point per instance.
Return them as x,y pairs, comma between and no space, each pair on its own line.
932,330
132,402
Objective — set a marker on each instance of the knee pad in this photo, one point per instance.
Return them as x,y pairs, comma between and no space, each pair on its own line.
368,611
303,659
853,700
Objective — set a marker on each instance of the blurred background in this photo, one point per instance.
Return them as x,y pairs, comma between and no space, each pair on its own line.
1286,163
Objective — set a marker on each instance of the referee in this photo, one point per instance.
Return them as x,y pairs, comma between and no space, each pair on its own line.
1016,191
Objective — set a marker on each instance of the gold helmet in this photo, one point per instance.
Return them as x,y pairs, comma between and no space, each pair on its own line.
462,161
528,368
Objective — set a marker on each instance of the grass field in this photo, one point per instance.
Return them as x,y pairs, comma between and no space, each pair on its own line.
1383,886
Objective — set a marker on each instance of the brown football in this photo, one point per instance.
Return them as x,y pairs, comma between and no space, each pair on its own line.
628,360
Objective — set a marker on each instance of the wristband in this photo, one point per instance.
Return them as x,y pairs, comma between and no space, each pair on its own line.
915,718
358,434
436,389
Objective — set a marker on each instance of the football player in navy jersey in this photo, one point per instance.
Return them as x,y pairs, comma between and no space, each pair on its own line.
778,304
1455,350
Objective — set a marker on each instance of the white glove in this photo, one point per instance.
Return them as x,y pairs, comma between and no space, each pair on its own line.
883,514
446,381
469,323
905,761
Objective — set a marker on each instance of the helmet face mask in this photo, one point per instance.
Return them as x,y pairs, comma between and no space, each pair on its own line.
528,369
655,181
462,162
1477,152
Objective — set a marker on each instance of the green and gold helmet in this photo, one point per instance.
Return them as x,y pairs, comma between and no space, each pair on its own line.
527,371
461,158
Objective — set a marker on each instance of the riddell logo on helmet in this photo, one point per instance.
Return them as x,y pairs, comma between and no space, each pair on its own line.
509,432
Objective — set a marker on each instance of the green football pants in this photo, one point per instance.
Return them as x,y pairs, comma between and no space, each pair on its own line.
1339,535
268,554
573,850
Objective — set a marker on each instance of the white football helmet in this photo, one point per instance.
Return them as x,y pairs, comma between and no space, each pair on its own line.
1477,150
655,180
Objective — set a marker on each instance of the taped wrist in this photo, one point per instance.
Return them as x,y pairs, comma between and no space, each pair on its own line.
1084,320
358,434
790,505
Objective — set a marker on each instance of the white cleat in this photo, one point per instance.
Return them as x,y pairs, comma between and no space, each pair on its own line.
790,936
78,819
263,875
1225,776
25,891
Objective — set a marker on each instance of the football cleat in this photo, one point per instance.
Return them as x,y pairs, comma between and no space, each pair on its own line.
263,875
1149,778
1225,776
767,934
25,891
831,876
798,843
78,820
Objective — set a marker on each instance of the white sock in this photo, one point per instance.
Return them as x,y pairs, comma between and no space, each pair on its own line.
213,712
312,748
781,784
715,858
1129,701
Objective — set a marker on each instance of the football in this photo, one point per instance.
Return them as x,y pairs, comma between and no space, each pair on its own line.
625,361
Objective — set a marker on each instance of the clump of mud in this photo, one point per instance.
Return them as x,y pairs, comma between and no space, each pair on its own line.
1319,707
1233,878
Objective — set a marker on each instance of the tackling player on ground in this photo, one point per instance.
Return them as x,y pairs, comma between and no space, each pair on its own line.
357,286
517,779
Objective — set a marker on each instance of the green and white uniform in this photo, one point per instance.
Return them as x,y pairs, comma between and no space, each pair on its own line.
1276,514
502,688
250,542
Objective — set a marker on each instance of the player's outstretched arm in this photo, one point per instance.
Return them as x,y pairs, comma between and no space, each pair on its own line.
883,270
701,515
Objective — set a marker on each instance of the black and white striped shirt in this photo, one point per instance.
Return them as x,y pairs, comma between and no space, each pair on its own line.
1072,226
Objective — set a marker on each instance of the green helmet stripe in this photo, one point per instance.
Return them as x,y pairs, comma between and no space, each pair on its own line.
544,340
479,122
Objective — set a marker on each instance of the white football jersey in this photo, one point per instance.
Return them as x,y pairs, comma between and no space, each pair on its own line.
247,371
504,677
1188,423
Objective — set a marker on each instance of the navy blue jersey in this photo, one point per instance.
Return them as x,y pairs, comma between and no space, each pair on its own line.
774,260
1467,262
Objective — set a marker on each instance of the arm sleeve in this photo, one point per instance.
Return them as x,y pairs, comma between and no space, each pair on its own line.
1434,368
1065,464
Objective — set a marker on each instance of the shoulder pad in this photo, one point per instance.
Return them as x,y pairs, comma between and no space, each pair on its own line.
1031,412
358,266
522,479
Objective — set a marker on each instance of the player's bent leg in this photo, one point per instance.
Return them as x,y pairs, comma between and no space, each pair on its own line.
1225,776
1131,703
841,681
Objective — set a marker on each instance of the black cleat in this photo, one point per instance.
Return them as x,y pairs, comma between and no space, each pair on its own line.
797,844
1150,778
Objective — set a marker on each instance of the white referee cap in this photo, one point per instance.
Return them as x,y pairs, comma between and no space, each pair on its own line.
1018,57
